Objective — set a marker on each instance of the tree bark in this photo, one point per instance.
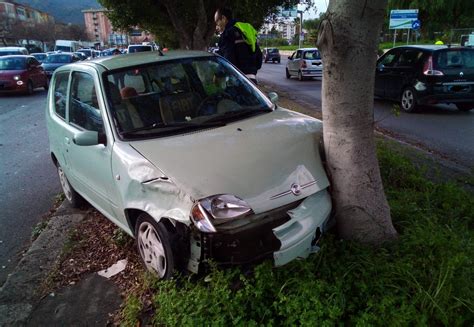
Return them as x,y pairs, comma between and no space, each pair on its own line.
348,43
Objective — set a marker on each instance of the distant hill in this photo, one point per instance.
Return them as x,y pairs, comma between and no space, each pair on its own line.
63,11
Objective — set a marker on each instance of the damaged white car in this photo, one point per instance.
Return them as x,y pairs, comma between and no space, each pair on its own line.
186,155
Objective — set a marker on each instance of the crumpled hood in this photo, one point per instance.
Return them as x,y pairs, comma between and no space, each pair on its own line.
257,159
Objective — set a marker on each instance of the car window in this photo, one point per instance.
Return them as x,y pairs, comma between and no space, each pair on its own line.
83,107
456,58
60,93
409,58
298,54
136,81
293,55
312,55
389,59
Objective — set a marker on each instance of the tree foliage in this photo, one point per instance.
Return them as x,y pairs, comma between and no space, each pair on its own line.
188,24
438,15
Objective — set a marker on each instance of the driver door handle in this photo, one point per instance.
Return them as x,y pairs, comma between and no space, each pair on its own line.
67,140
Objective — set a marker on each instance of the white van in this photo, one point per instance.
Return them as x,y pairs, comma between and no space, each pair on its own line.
67,46
13,51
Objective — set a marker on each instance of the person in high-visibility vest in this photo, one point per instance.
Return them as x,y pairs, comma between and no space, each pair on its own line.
238,43
439,42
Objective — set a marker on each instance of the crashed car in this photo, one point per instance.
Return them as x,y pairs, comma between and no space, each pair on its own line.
189,157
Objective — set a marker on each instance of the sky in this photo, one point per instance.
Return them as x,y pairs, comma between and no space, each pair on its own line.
321,6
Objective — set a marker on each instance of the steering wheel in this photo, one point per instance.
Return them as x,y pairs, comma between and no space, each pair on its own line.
211,100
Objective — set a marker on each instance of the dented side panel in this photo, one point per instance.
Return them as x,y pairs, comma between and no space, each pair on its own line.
144,187
297,234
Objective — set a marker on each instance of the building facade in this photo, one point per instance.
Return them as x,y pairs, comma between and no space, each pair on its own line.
286,28
100,30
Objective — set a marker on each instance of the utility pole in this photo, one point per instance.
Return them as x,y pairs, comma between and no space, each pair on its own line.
301,35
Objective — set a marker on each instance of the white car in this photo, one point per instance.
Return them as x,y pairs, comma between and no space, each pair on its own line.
186,155
304,63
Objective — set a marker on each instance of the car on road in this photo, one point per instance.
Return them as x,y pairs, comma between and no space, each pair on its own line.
177,150
21,74
40,56
304,63
271,54
56,60
426,75
132,48
6,51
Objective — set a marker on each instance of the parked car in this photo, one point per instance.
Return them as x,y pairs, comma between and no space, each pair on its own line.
271,54
81,55
56,60
426,74
6,51
304,63
40,56
181,146
89,53
20,73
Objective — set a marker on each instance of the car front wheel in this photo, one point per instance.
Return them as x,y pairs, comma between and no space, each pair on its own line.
300,75
74,199
46,84
465,106
29,88
408,100
154,243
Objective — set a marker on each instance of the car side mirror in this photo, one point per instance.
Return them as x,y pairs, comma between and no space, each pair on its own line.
88,138
290,58
380,67
273,97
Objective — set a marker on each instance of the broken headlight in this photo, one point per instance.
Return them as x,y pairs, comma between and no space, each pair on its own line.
217,209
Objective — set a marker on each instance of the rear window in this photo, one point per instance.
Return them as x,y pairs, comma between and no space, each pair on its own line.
58,59
312,55
273,50
455,58
12,63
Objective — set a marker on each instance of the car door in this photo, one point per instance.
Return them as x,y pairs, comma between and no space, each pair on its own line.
404,72
37,72
90,170
294,64
384,72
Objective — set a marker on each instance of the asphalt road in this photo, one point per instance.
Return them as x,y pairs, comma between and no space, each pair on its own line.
442,129
28,180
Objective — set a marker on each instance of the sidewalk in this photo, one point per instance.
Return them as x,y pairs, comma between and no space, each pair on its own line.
88,302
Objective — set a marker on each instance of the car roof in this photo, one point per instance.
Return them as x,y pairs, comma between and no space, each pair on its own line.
307,49
17,56
12,48
140,58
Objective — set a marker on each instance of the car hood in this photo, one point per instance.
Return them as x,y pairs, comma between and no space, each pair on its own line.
257,159
11,73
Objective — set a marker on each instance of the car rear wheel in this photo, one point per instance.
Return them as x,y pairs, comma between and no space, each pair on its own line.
465,106
287,73
154,243
74,199
408,100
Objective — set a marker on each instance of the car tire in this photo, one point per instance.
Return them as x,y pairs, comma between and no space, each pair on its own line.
74,199
46,85
287,73
29,88
156,246
300,75
408,100
465,106
278,61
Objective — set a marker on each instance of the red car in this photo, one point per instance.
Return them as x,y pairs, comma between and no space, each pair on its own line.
19,73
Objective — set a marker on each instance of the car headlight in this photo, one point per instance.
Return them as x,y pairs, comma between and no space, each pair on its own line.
217,209
17,77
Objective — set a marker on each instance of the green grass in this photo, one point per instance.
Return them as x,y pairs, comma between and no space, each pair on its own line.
426,278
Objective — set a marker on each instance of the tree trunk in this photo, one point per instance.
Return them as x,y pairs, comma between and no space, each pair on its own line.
348,43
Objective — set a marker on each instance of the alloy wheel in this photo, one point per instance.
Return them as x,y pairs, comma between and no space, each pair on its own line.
151,249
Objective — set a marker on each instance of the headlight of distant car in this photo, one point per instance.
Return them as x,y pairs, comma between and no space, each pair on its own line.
217,209
17,77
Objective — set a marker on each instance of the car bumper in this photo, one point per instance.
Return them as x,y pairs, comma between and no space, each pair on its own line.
312,72
283,234
11,87
446,94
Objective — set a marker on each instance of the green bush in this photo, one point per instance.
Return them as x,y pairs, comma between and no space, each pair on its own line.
426,278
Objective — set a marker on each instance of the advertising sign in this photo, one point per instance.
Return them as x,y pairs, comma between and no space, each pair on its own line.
402,19
290,12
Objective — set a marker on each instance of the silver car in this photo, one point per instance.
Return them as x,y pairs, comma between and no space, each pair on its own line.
304,63
186,155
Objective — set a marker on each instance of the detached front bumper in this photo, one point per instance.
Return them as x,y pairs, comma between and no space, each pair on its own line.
282,234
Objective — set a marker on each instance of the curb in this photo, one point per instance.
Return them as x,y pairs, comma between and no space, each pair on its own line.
18,296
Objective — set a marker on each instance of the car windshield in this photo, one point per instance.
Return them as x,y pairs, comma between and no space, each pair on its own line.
273,50
58,59
39,56
12,63
139,48
173,97
454,58
312,55
9,52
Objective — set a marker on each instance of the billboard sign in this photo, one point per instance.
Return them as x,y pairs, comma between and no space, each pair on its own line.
290,12
402,19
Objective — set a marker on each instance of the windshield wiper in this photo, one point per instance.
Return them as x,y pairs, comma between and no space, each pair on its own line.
230,115
173,126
